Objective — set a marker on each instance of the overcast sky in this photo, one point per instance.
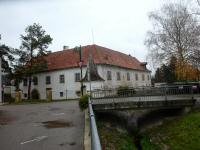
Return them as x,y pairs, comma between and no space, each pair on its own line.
117,24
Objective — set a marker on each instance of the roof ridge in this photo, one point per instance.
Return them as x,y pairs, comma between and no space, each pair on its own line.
101,55
116,51
95,45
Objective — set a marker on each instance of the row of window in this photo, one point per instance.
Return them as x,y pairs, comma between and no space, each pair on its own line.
48,79
78,78
118,74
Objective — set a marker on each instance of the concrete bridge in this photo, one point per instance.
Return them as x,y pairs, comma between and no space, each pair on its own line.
145,98
138,98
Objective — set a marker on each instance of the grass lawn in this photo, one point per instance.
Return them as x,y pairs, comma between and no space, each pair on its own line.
179,134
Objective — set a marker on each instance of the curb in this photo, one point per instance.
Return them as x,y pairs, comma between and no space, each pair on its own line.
87,137
1,104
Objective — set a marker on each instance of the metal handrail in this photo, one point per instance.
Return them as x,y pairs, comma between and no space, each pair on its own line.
95,141
145,91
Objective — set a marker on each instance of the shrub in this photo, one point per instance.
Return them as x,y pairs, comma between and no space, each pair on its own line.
35,94
125,91
8,98
83,102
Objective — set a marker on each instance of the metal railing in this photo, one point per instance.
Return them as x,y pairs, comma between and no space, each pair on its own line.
146,92
95,141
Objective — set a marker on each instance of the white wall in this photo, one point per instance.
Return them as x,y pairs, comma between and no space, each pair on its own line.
94,85
70,87
114,83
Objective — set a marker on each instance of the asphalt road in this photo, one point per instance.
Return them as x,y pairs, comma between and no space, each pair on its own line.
52,126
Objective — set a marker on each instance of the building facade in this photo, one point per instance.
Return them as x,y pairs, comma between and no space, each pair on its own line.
63,75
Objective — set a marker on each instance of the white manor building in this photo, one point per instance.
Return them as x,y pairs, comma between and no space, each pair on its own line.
63,75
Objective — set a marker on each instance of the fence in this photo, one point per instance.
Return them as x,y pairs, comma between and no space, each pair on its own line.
183,90
95,141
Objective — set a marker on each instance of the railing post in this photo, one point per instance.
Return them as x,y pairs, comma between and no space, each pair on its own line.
165,93
192,93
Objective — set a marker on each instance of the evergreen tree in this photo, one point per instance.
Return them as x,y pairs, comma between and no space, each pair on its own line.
167,73
32,51
158,75
172,70
6,54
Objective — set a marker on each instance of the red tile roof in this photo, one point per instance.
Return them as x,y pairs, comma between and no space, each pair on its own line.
101,55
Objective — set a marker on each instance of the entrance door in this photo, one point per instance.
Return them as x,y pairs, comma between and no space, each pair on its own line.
49,93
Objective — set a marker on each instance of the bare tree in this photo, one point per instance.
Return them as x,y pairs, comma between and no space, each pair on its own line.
176,33
198,2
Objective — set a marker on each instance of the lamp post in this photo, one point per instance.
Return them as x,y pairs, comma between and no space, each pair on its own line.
80,63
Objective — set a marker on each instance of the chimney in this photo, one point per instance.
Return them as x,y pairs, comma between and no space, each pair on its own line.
144,64
65,47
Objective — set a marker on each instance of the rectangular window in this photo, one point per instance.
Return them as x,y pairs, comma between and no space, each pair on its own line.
35,80
61,94
109,76
118,76
142,77
128,76
77,77
25,82
62,78
136,77
147,77
48,80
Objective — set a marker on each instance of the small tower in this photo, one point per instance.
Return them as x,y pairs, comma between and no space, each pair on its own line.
92,75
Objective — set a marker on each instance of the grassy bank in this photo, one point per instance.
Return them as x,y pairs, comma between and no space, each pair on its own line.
178,134
112,139
182,133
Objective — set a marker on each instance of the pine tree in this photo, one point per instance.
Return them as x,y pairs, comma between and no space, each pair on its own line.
32,51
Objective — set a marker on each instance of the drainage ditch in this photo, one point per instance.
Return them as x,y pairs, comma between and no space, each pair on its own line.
137,122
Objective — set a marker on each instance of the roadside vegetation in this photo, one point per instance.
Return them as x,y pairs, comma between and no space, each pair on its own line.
177,134
83,102
112,139
182,133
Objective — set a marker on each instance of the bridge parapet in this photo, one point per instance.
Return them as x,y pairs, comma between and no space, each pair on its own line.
145,92
143,98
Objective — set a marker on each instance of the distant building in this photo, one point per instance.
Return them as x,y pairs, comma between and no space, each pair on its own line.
111,69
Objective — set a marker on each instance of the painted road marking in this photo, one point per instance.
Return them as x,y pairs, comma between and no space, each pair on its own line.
58,114
39,138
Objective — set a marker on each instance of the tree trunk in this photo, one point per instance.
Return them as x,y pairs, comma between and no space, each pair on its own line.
29,88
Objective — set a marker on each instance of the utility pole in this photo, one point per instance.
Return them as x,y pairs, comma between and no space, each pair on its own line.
81,64
89,72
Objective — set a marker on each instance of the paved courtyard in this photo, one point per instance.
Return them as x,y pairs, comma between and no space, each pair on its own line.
51,126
